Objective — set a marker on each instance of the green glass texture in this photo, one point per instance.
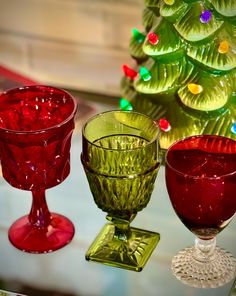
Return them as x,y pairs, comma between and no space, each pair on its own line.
120,156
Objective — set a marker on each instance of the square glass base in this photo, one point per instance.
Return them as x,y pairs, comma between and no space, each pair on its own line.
129,254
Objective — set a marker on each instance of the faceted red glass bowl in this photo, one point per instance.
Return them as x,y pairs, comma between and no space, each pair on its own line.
36,125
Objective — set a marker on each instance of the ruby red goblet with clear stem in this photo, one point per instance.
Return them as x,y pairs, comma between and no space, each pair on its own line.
201,182
36,125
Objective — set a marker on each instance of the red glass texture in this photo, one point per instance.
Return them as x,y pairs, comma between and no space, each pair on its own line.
201,182
36,125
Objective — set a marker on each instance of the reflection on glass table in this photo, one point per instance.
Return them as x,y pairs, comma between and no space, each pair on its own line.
66,272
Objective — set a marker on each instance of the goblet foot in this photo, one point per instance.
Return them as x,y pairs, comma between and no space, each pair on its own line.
218,271
131,254
32,239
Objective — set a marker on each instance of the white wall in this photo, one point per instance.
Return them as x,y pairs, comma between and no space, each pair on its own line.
79,44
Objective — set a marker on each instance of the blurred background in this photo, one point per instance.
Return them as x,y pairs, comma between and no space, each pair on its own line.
73,44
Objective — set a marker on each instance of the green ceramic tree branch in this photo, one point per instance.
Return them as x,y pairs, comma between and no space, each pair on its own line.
189,49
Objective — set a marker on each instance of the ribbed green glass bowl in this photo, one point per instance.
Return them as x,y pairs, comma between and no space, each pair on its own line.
120,157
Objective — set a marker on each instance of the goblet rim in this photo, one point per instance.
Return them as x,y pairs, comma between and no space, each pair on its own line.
155,124
179,172
43,130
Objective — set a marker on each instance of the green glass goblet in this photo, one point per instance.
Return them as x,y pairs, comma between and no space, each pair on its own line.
121,161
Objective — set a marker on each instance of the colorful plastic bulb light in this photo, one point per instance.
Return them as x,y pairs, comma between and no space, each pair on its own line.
223,47
129,72
195,89
145,74
125,105
139,37
205,16
153,38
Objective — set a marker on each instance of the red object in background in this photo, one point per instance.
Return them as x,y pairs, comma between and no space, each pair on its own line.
35,133
201,182
10,79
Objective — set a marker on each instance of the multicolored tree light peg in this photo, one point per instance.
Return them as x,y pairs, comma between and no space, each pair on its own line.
195,89
205,16
139,37
169,2
223,47
145,74
129,72
233,128
125,105
164,125
153,38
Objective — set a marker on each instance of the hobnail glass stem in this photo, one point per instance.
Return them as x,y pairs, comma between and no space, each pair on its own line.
39,215
204,249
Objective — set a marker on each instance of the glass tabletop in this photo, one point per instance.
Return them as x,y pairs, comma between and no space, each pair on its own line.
66,272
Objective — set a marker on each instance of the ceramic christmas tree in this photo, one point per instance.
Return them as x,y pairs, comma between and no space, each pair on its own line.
184,70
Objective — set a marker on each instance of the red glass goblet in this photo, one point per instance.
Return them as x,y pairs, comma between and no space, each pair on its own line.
201,182
36,125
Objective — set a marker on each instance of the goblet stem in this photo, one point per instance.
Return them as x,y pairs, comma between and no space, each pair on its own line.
39,215
122,231
122,227
204,250
205,265
41,231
